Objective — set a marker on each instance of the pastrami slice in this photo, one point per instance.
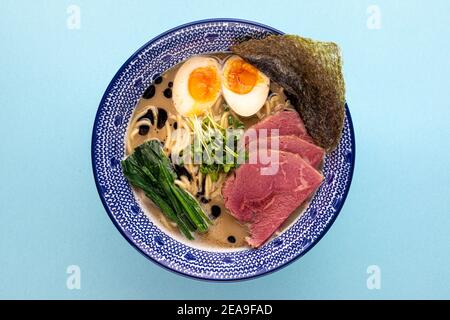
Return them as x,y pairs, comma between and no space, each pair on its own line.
308,151
266,201
286,122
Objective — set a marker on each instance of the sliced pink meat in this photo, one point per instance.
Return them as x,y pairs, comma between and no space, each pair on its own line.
287,122
266,201
308,151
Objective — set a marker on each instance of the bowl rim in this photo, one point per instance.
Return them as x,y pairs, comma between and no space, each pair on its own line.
134,245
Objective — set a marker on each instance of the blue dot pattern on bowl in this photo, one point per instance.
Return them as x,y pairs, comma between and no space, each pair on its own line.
110,126
135,209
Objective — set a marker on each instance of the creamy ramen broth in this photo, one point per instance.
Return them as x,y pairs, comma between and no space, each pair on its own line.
225,231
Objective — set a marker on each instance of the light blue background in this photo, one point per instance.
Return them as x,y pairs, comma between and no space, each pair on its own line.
397,215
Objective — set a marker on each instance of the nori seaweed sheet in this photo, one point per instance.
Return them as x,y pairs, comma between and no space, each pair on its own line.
311,73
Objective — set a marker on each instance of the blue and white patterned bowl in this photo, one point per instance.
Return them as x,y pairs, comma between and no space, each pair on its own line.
110,126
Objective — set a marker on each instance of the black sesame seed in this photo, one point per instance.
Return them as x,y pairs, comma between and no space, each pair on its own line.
158,80
175,125
143,130
168,93
149,116
162,118
204,200
231,239
170,84
202,190
215,211
182,171
149,92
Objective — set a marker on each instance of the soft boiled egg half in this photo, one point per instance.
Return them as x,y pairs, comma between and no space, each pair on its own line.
244,87
197,86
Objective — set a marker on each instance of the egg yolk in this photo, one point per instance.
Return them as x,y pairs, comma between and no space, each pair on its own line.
204,84
241,76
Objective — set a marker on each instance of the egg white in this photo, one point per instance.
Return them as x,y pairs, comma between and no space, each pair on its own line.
184,103
249,103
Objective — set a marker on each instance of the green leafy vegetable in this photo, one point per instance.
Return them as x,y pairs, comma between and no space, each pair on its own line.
149,169
230,120
214,145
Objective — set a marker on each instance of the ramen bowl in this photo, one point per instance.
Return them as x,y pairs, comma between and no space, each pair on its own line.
124,209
